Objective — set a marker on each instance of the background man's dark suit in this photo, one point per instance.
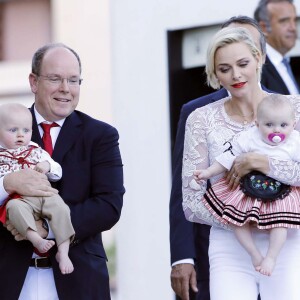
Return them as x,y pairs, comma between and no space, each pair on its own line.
92,186
272,80
181,231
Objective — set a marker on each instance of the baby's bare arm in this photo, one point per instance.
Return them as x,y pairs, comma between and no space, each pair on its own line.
43,167
215,169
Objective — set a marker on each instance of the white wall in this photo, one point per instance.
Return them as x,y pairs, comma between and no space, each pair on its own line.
141,113
86,28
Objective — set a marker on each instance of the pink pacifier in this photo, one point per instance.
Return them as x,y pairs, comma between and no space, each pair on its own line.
276,137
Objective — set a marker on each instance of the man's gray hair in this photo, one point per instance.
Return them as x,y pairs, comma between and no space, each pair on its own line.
38,56
261,13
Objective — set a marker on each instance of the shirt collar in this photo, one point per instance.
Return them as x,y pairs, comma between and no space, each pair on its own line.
40,119
274,56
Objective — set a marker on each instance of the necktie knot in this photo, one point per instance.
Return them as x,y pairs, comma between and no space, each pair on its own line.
286,62
47,137
46,127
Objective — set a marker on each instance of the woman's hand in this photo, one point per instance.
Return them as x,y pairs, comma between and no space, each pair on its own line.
244,164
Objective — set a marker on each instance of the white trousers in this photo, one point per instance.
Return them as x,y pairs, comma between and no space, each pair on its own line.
233,277
39,285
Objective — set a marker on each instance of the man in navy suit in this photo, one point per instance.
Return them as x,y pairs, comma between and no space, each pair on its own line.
189,241
277,19
91,185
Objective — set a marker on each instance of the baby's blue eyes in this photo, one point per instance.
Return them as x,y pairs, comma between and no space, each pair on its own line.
282,125
25,130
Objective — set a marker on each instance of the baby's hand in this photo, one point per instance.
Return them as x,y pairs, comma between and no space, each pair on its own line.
200,175
42,167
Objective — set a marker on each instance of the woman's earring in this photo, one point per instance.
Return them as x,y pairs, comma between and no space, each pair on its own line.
258,67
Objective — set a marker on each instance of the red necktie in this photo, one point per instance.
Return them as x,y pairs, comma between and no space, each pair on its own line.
47,137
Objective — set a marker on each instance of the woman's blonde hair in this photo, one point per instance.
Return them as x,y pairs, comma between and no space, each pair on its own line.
227,36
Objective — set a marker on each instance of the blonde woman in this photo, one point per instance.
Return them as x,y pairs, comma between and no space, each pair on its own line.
234,62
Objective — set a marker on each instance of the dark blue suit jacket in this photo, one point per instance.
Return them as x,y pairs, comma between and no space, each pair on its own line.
92,186
272,80
181,231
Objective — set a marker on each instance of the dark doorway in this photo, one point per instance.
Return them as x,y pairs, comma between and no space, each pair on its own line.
184,84
295,64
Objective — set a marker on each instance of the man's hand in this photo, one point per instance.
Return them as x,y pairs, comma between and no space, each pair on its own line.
28,182
18,237
14,232
182,277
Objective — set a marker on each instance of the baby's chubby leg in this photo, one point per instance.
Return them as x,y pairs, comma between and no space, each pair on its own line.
244,236
62,257
277,240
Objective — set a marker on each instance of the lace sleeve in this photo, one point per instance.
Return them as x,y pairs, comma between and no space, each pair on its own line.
195,156
286,171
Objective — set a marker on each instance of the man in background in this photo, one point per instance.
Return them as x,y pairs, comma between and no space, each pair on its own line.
277,19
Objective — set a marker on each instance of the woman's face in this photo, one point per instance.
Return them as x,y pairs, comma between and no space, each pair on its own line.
236,68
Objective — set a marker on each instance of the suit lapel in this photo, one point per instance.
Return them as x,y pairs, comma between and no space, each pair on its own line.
273,73
68,135
36,137
222,93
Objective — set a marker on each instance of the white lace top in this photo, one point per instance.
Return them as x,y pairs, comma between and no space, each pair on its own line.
207,129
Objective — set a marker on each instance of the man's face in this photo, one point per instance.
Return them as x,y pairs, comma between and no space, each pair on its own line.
283,32
55,99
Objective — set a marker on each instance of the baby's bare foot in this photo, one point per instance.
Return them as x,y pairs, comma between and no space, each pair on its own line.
65,264
257,268
256,261
267,266
44,245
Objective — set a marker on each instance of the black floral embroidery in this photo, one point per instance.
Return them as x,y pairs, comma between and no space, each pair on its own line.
264,188
265,184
